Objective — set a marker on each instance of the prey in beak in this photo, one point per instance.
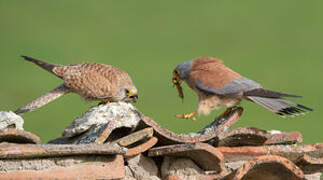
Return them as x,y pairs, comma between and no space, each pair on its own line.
177,82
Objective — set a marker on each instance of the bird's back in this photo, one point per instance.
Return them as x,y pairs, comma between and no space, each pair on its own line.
93,81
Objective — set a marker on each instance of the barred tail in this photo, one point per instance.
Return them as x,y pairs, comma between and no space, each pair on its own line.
280,106
47,66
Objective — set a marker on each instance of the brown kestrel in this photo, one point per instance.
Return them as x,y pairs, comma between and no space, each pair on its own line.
92,81
218,86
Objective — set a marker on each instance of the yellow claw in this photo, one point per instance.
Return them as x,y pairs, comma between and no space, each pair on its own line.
186,116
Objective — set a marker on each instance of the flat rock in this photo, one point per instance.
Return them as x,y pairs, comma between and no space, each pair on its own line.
98,122
10,120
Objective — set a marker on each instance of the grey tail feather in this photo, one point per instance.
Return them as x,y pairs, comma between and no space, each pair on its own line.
260,92
280,106
47,66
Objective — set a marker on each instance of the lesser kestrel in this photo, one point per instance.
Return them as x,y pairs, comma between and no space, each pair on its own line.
218,86
92,81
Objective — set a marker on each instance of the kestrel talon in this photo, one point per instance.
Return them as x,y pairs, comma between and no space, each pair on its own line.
92,81
218,86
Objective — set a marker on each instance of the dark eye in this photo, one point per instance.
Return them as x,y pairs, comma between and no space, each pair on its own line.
127,91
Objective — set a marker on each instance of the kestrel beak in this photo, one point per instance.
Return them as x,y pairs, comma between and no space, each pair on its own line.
177,82
133,96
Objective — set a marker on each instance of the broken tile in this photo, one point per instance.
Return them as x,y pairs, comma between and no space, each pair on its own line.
141,147
268,167
310,164
135,137
166,137
256,137
284,138
185,168
18,136
205,155
291,152
77,167
10,150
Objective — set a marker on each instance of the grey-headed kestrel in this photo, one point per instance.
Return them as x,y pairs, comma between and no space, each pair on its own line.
92,81
218,86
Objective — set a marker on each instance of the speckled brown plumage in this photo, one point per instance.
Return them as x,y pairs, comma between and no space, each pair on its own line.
92,81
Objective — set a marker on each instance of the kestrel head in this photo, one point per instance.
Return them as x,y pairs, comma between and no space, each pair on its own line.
129,94
181,73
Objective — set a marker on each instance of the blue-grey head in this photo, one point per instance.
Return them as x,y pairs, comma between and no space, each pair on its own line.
181,73
182,70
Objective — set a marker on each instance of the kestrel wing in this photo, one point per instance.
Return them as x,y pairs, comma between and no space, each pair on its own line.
92,80
212,77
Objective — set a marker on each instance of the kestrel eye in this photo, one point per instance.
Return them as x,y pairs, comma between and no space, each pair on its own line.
127,91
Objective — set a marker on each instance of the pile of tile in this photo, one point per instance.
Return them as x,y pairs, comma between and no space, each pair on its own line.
145,150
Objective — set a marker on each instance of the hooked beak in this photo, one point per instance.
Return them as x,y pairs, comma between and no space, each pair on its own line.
133,98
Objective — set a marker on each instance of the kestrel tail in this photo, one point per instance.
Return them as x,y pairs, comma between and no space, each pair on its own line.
92,81
218,86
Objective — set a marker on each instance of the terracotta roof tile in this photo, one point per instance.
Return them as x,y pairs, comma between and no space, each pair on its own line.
10,150
310,164
271,167
205,155
103,168
141,147
135,137
18,136
208,133
291,152
256,137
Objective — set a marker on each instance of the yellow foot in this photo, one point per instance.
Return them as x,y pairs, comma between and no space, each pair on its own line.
104,102
187,116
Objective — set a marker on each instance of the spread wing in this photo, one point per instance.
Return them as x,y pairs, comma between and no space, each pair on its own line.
211,76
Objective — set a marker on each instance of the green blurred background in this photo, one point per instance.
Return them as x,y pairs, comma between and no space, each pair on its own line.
277,43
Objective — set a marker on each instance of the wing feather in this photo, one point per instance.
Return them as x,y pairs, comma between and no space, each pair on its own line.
211,76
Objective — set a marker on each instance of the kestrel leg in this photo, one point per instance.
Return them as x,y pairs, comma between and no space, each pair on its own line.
187,116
